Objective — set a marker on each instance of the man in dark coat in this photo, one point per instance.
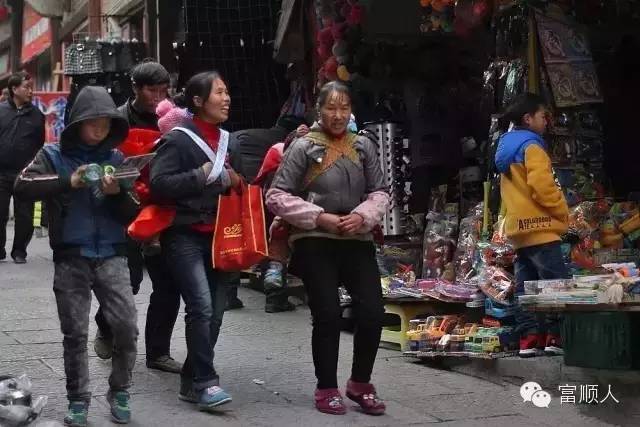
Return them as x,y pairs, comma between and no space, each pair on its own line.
21,136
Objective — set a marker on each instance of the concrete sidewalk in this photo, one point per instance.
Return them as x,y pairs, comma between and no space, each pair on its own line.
274,348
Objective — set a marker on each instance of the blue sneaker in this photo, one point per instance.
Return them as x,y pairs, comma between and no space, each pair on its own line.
212,397
273,276
119,403
77,414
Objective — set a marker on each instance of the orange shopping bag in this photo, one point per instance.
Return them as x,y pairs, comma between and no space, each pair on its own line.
151,220
240,238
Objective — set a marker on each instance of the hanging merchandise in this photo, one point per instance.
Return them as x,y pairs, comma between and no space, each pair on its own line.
439,247
395,164
437,15
569,64
465,256
82,58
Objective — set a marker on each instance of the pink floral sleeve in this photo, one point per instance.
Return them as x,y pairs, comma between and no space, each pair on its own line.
293,209
372,210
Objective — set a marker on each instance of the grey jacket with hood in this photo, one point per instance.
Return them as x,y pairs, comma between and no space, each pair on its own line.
81,223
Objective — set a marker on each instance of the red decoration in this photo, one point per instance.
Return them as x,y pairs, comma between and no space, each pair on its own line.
331,68
356,15
338,29
325,37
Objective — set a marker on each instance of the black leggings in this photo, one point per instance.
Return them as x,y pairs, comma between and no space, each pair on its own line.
323,265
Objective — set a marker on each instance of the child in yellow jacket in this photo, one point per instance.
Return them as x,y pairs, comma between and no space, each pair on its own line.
536,213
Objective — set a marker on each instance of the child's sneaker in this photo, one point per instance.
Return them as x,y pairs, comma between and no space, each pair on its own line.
119,403
329,401
273,276
364,394
553,346
529,345
77,414
212,397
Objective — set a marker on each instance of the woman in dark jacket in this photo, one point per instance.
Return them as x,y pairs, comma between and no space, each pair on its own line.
330,188
190,172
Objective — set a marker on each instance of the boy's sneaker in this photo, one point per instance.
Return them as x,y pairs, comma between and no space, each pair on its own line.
77,414
329,401
187,393
212,397
102,346
529,345
119,403
553,346
273,276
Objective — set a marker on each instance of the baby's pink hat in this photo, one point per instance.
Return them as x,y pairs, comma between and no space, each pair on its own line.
170,116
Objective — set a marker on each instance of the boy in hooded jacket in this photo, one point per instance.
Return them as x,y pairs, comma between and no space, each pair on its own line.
87,235
536,214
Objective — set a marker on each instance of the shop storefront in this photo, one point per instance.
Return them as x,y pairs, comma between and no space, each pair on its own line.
431,92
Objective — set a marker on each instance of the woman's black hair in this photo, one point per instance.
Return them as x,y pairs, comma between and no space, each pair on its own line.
328,89
526,103
149,73
199,85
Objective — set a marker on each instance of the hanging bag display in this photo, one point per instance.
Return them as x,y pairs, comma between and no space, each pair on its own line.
240,238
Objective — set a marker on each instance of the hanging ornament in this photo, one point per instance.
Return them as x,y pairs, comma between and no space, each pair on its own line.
331,68
343,60
356,15
323,52
325,37
338,29
340,48
343,73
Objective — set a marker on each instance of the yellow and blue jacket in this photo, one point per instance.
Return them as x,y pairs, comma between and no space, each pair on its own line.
536,210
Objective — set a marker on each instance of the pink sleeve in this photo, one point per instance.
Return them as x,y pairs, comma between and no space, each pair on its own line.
372,210
293,209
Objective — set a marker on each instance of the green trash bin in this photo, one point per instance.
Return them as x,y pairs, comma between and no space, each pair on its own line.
602,340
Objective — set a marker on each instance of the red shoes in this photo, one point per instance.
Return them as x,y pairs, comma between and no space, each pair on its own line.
530,344
533,344
553,346
364,394
329,401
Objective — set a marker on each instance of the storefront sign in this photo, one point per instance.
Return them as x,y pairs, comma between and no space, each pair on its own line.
36,36
52,105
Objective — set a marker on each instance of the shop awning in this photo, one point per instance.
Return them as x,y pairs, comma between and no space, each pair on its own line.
48,8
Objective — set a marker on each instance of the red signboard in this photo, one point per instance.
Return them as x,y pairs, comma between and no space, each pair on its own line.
36,36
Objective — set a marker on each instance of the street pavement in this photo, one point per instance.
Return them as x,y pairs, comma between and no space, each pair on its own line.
265,362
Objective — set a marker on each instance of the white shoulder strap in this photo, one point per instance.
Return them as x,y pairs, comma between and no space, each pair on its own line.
217,158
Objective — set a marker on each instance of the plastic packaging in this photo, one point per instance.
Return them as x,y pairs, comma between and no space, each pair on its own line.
439,246
497,284
470,228
17,406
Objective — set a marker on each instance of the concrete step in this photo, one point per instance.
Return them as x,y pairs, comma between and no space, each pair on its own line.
549,372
